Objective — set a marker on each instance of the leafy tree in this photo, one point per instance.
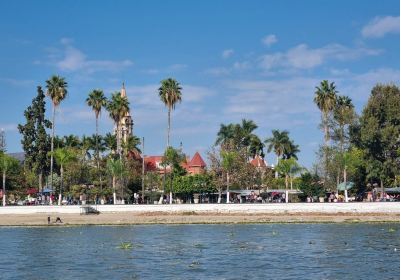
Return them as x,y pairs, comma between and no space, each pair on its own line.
199,183
116,169
35,140
110,141
228,161
379,132
2,141
63,156
173,158
7,164
118,107
57,91
170,93
311,185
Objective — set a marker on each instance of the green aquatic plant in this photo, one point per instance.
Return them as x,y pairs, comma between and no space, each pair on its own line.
125,246
392,230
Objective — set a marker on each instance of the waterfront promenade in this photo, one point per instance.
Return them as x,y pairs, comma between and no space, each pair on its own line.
205,213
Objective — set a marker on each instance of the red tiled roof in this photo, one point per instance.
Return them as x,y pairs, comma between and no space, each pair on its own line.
197,161
258,162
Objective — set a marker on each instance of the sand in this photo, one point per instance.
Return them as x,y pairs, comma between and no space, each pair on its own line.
126,218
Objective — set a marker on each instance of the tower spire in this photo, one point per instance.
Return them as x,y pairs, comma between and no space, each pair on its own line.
123,91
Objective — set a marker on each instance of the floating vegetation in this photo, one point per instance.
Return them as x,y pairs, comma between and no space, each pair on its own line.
274,233
392,230
200,246
125,246
194,264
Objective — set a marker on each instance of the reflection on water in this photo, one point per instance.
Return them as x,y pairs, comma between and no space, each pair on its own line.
271,251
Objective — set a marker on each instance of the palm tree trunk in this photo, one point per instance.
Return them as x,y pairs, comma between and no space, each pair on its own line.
114,193
4,188
345,184
61,186
227,187
169,125
286,192
118,142
276,171
98,152
41,181
52,145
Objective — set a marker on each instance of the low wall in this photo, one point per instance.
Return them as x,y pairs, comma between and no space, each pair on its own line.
274,208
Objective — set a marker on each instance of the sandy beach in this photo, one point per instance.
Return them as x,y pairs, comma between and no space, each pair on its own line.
202,214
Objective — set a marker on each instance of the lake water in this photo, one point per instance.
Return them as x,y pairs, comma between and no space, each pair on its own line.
267,251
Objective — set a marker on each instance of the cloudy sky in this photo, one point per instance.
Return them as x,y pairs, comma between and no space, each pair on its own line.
258,60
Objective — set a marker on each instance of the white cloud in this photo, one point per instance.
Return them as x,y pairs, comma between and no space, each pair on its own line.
218,71
177,67
8,127
269,40
71,59
227,53
241,65
17,82
380,26
303,57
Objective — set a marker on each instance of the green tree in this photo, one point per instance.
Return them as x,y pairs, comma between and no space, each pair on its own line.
228,161
279,143
7,163
116,169
379,134
118,107
63,156
173,158
57,91
35,140
170,93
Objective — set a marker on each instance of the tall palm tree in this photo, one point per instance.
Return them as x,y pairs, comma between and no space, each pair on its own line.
170,94
343,114
57,91
325,99
63,156
256,146
118,107
132,144
279,143
96,100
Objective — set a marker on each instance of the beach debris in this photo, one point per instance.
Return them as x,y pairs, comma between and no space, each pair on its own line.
125,246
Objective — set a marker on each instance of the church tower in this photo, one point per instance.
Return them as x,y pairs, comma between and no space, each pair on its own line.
126,123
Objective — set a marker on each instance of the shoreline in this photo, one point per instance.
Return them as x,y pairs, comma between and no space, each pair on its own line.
204,214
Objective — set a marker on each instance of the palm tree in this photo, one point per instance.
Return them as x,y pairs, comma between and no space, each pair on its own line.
118,107
6,164
57,91
279,143
228,161
96,100
132,144
116,169
63,156
170,94
343,114
256,147
110,141
284,167
325,98
225,135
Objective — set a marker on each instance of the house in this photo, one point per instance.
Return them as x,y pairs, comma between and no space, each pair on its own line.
196,165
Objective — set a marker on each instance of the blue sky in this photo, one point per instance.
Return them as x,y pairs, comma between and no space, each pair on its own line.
258,60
